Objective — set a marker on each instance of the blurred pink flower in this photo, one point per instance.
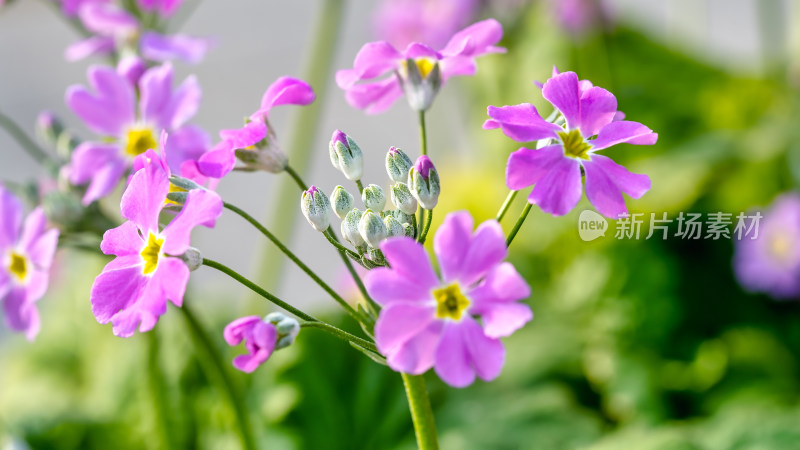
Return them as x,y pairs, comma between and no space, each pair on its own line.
431,22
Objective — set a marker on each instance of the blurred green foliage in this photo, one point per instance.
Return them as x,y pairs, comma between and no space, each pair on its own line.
636,344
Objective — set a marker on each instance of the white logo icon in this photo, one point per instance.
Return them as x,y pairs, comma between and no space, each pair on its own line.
591,225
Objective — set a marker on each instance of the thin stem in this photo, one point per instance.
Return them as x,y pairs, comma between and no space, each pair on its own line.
158,390
220,372
360,187
257,289
428,219
27,144
354,274
423,135
421,412
517,225
341,334
421,226
340,247
318,71
506,205
296,177
294,258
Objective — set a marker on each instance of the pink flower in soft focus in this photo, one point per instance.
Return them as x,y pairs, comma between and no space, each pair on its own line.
165,8
431,22
591,123
580,16
133,289
130,127
771,262
428,321
261,337
263,155
419,69
26,252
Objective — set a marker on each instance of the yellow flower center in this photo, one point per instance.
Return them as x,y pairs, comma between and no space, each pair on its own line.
574,145
139,141
18,266
780,246
151,253
424,67
451,303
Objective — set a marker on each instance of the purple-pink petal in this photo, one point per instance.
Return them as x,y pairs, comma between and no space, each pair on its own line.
112,107
398,323
202,207
416,50
598,108
160,47
108,19
451,243
623,132
408,258
374,97
559,190
187,143
218,162
605,182
171,276
144,197
252,133
38,242
374,59
475,40
235,331
387,286
10,218
117,286
20,314
487,248
563,92
465,351
412,353
496,298
520,122
122,240
91,46
526,167
162,106
286,91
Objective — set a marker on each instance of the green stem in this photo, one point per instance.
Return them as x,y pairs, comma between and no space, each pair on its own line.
421,226
27,144
330,329
506,205
158,391
517,225
296,177
360,187
354,274
428,219
294,258
340,247
423,135
317,73
257,289
220,372
421,412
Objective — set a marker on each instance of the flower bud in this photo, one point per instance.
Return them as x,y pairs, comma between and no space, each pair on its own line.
402,217
373,197
408,230
193,258
316,207
397,164
287,328
421,79
423,181
346,155
342,201
48,127
376,256
372,229
402,198
184,183
393,227
350,227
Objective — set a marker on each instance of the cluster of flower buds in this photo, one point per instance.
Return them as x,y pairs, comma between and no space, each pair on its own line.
413,185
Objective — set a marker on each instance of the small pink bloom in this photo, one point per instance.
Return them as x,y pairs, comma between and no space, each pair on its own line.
259,336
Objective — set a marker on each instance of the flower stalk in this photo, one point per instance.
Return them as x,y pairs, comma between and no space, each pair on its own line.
421,412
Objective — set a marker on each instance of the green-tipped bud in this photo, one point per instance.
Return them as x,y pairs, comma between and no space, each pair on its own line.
373,197
193,258
346,155
376,256
398,164
341,201
421,79
402,198
287,328
350,227
393,227
316,207
423,181
372,229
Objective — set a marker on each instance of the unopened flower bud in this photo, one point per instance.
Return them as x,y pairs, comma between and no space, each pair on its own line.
376,256
342,201
373,197
184,183
421,79
48,127
287,328
316,207
346,155
423,181
193,258
398,164
408,230
350,227
393,227
372,229
402,217
402,198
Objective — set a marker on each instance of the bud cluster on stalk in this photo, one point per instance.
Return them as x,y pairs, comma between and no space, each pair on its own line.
380,216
